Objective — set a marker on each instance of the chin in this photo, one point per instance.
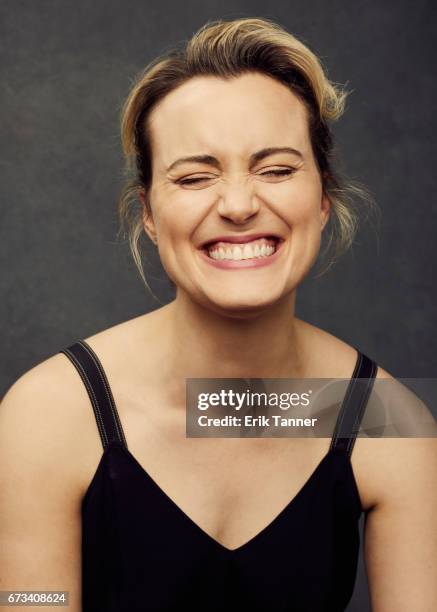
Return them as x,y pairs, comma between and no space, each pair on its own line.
240,308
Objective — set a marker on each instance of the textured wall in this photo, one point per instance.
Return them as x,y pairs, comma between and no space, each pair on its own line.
67,66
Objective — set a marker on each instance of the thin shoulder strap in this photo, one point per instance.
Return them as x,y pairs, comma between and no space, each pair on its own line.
96,383
354,404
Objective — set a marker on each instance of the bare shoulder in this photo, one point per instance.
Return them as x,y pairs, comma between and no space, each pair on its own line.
386,468
36,405
46,419
42,422
403,463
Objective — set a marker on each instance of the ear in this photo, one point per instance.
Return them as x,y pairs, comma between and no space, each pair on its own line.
325,209
148,222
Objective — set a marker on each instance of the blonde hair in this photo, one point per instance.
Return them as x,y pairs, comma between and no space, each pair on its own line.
227,49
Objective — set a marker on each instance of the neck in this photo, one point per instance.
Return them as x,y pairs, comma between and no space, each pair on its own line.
199,343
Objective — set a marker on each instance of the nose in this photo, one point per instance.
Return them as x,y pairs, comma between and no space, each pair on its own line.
237,202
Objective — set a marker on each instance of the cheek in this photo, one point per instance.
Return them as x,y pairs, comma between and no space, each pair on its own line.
299,203
299,207
177,220
177,217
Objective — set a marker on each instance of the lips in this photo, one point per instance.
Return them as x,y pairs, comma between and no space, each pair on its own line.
239,239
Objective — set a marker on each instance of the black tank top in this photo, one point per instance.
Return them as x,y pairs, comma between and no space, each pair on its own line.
142,553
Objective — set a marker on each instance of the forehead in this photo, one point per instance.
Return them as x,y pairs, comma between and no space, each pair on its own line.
239,115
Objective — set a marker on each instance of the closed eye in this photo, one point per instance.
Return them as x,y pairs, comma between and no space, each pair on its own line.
282,172
191,181
278,172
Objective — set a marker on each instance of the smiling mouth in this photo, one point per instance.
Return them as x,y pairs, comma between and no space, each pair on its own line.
255,249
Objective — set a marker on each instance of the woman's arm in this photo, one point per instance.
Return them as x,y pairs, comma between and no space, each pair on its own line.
40,524
400,542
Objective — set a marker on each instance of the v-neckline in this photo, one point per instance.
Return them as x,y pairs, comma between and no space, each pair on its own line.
255,538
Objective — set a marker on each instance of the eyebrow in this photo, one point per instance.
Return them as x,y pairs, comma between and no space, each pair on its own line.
254,158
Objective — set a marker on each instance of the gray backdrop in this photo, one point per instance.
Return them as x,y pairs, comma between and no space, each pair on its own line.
67,66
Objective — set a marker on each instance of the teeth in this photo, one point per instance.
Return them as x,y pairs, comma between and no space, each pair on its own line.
239,252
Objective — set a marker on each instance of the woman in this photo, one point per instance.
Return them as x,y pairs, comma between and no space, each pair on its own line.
231,152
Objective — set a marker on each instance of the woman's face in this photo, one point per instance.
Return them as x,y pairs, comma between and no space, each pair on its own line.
235,188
